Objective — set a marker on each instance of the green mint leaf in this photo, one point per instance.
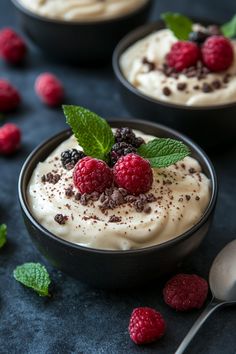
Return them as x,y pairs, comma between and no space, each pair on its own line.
180,25
3,235
34,276
163,152
229,28
92,132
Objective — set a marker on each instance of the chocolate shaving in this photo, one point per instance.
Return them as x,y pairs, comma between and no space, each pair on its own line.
50,178
61,219
115,218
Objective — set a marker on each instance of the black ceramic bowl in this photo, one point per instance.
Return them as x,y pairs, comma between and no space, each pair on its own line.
86,42
209,126
116,269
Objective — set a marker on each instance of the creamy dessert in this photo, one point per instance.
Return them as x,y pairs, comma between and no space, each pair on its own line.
186,75
117,219
82,10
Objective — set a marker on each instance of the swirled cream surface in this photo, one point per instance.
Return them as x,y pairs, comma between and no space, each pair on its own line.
182,194
142,65
82,10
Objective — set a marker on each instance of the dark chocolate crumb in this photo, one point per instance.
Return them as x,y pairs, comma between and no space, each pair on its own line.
150,64
50,178
207,88
181,86
166,91
61,219
187,197
216,84
115,218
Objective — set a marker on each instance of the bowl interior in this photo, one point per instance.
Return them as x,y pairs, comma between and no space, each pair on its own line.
42,152
137,35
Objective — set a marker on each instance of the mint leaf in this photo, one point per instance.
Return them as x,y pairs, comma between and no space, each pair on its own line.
163,152
229,28
34,276
93,133
3,235
180,25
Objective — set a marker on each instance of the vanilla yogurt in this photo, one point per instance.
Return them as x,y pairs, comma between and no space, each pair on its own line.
182,192
82,10
182,90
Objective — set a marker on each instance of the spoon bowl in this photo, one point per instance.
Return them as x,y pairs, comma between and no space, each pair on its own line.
222,279
222,276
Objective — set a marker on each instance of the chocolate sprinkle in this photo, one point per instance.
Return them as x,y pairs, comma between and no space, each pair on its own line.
50,178
207,88
166,91
61,219
181,86
115,218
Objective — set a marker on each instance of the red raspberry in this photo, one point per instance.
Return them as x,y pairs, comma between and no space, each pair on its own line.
12,46
217,53
92,175
183,55
10,137
133,173
185,292
9,96
146,325
49,89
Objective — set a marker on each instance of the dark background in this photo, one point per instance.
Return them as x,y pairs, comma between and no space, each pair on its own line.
79,319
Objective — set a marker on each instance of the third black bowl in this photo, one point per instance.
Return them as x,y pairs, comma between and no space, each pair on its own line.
88,42
208,125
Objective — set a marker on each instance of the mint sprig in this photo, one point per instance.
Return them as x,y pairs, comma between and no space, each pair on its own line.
92,132
163,152
3,235
179,24
34,276
229,28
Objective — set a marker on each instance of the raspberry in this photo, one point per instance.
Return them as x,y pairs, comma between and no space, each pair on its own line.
10,136
217,53
92,175
9,96
126,135
12,46
69,158
120,149
183,55
49,89
185,292
133,173
146,325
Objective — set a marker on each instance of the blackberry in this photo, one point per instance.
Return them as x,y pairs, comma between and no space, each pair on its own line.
126,135
198,37
120,149
69,158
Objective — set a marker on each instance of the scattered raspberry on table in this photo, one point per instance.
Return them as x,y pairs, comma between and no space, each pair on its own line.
146,325
10,138
92,175
12,47
9,96
217,53
185,292
133,173
49,89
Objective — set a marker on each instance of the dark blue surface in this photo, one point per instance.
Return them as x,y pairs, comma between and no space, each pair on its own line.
79,319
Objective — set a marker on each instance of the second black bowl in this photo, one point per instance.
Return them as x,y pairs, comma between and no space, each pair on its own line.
210,126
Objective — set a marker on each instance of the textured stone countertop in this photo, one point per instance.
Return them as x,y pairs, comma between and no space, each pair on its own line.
79,319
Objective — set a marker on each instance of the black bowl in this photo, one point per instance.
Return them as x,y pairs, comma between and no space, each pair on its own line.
79,42
209,126
116,269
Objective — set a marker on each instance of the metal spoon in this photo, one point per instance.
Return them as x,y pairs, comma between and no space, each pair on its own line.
222,279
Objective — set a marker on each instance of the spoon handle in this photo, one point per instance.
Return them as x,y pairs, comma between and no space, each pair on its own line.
210,308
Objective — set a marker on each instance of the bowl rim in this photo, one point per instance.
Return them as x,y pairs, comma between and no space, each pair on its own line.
66,133
134,36
44,19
